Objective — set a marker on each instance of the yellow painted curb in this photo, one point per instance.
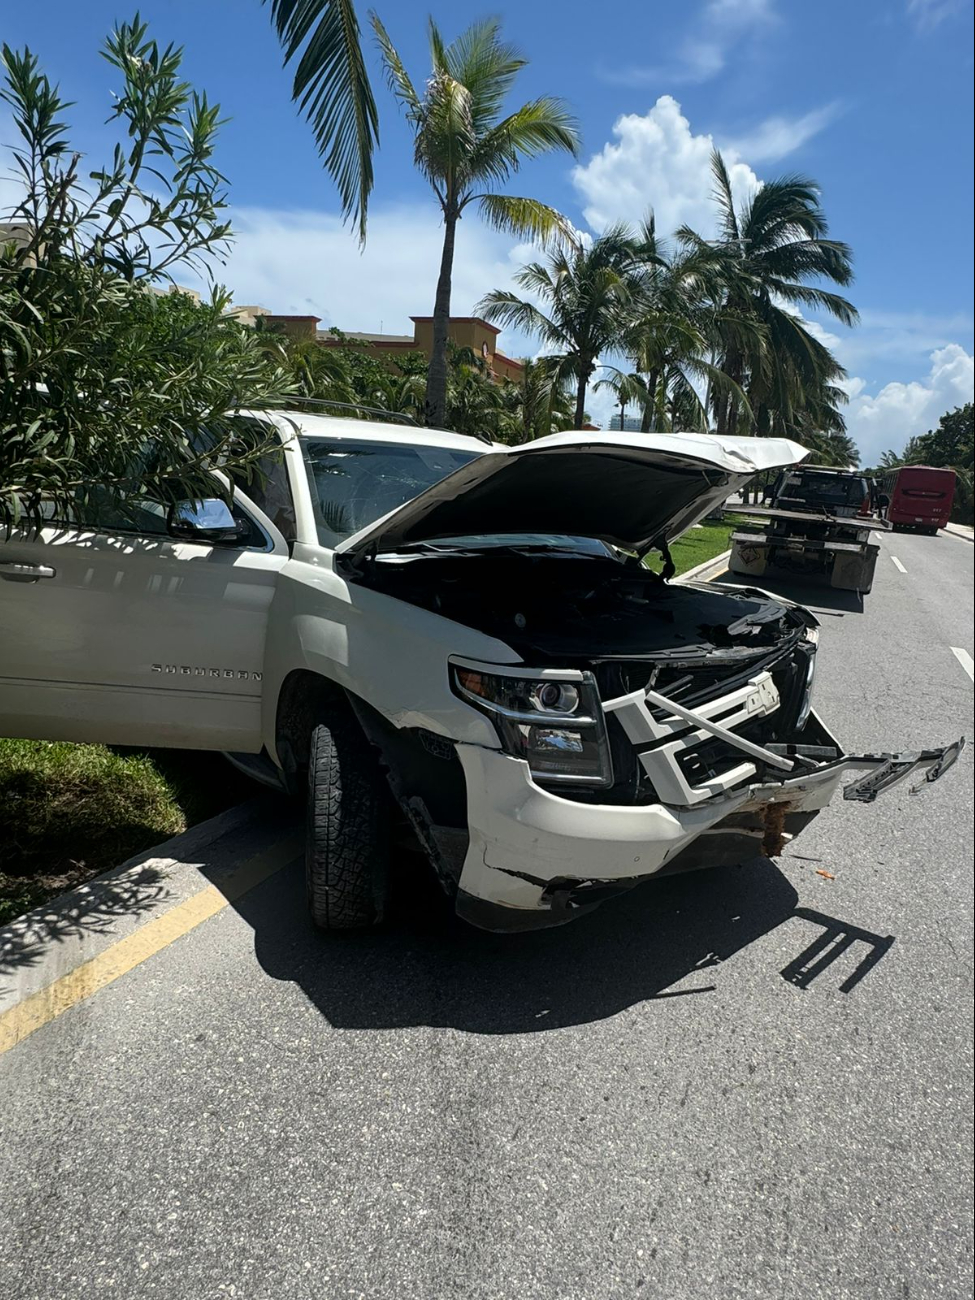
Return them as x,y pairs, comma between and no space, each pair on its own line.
49,1003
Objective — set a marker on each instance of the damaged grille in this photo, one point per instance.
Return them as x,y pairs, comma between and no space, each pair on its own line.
680,764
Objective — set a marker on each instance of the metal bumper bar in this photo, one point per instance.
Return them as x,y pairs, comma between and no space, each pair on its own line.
795,541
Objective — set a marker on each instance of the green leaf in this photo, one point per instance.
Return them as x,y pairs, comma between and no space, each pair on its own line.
525,218
331,87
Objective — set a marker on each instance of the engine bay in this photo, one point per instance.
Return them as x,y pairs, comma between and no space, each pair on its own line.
560,607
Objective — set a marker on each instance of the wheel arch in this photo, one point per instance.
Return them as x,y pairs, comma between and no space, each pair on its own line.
303,699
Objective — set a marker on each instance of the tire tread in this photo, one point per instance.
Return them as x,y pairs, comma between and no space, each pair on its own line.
347,826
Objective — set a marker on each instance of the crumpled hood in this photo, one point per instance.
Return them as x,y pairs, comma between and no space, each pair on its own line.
629,489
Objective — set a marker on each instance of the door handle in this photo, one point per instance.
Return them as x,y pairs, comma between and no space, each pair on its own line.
15,571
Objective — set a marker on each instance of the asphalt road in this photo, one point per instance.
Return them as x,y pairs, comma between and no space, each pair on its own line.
676,1097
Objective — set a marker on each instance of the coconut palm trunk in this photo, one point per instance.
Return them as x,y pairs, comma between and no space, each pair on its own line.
649,423
579,418
436,399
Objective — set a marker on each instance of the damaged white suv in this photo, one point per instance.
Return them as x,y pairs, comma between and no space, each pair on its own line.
472,627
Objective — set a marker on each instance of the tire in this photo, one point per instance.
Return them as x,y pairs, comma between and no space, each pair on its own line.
346,848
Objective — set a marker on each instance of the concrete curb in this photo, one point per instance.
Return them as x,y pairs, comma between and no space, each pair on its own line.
717,564
961,530
55,939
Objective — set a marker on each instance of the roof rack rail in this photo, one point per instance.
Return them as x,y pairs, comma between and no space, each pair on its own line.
393,417
390,416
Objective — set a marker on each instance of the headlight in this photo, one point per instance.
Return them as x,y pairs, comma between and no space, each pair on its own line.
812,640
553,721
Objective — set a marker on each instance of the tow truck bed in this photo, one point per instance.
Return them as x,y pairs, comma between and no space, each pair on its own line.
807,517
833,548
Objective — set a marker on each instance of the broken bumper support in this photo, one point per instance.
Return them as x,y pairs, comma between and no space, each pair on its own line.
890,769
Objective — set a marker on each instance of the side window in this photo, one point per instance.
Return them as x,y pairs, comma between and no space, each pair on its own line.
141,516
148,518
270,490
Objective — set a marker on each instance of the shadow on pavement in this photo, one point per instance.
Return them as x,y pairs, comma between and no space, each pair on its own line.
837,938
90,909
424,967
804,591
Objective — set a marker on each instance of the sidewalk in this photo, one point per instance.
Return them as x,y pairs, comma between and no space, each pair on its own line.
961,530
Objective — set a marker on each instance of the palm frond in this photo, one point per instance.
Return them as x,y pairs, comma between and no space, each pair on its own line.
397,77
687,410
508,309
817,299
446,134
438,49
539,279
788,206
540,126
486,65
724,197
803,257
524,218
331,87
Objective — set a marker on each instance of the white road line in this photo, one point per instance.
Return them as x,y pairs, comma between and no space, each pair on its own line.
965,659
898,564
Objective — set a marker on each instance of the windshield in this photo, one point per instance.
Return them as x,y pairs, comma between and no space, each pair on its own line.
355,483
822,489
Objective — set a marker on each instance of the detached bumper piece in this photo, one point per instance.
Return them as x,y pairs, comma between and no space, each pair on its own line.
890,769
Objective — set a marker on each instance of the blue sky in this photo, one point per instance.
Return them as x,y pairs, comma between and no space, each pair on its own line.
873,99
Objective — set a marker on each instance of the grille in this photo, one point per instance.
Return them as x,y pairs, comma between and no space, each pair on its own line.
711,758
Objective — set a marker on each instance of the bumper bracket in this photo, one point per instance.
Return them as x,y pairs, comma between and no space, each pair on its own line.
890,769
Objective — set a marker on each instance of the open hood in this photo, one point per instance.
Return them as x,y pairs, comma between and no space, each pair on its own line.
633,490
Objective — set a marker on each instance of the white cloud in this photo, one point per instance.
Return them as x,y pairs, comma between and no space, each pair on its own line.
828,339
601,404
928,14
778,136
902,410
656,161
717,29
308,263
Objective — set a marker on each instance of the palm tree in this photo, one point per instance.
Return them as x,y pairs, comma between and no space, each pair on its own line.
475,404
831,447
669,336
331,86
535,405
768,251
588,292
628,388
466,149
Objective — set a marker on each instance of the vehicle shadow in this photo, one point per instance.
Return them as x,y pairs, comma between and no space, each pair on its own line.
804,591
424,967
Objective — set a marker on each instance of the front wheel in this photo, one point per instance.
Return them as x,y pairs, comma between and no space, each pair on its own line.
346,853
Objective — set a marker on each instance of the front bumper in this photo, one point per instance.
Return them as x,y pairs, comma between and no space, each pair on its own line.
537,859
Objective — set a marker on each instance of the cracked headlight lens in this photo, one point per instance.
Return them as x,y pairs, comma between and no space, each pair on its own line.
554,723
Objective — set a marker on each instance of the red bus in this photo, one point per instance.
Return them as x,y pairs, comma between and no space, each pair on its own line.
920,497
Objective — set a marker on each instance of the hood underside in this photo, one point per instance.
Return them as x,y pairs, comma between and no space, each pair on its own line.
630,490
565,609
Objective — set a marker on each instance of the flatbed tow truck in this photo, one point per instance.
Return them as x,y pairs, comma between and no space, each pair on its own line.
817,525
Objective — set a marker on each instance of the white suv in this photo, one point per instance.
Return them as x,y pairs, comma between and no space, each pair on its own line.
471,627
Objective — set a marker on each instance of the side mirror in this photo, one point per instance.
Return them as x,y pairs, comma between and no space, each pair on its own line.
209,522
